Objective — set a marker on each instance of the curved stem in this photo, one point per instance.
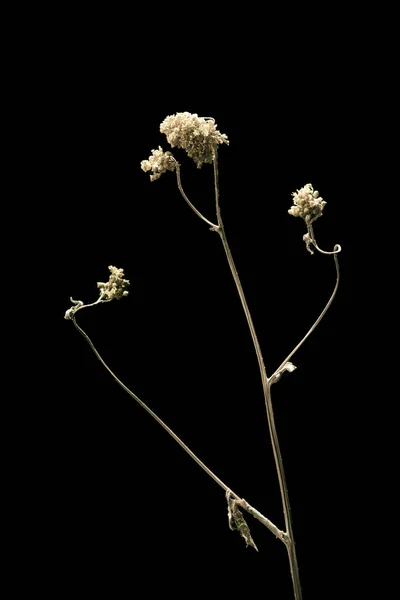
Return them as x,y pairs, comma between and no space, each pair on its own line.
320,316
267,397
336,249
245,505
198,213
78,305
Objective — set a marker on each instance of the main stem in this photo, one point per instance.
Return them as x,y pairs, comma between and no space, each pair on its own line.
267,396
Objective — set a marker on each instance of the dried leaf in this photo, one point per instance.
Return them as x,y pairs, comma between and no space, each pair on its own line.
286,367
237,521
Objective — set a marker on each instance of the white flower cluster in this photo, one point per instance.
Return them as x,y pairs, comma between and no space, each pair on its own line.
197,135
159,162
307,204
115,286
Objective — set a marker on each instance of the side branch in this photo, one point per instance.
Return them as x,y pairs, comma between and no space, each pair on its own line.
240,501
335,252
277,532
198,213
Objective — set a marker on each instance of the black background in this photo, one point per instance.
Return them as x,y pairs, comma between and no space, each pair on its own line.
124,509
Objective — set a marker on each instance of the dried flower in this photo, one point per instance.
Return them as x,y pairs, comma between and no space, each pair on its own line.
115,286
307,204
197,135
159,162
113,289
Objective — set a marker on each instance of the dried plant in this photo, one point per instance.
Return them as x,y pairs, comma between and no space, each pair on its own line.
200,138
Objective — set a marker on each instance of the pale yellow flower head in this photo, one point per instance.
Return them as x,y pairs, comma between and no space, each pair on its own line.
115,286
197,135
159,162
307,204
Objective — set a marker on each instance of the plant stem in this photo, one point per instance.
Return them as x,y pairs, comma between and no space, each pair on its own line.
198,213
267,397
320,316
245,505
336,249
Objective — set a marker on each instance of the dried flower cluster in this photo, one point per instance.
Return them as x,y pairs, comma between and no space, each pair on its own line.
307,204
197,135
115,286
159,162
113,289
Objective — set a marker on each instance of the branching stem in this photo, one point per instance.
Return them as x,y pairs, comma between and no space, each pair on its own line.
245,505
287,536
335,252
198,213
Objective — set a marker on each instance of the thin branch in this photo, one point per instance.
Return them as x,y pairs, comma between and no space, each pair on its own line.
271,379
277,532
337,248
245,505
198,213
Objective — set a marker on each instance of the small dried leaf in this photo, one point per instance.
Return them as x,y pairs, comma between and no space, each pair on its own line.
286,367
237,521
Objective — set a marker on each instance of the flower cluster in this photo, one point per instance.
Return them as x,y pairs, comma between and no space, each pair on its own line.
307,204
159,162
197,135
115,286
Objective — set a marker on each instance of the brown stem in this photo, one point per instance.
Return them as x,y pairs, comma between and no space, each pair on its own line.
267,397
